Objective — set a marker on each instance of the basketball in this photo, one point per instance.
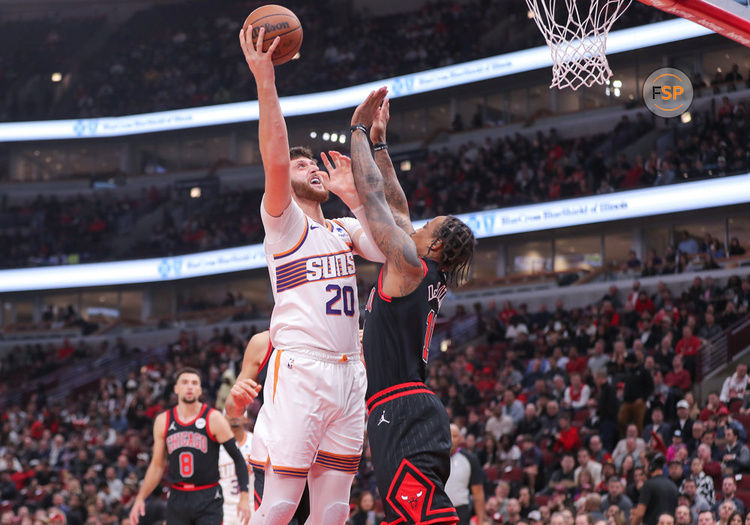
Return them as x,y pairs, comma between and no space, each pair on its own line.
278,21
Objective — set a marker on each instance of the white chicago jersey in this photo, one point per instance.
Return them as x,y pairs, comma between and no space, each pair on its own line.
228,477
311,266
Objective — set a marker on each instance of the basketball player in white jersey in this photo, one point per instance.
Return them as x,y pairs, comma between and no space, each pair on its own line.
313,419
227,476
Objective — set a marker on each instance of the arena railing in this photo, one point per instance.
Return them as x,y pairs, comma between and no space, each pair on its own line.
716,353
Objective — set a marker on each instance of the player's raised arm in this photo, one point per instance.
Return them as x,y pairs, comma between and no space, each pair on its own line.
394,194
403,267
274,143
155,470
246,388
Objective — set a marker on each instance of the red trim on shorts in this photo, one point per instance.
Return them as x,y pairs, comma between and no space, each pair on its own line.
269,351
383,296
400,394
189,487
401,386
208,425
177,417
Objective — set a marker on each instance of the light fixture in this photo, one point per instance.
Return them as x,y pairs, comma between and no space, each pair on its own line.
326,136
56,77
334,137
195,192
342,138
313,134
617,83
686,117
405,165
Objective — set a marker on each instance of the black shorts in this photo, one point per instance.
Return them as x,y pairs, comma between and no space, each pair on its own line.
303,509
410,441
195,507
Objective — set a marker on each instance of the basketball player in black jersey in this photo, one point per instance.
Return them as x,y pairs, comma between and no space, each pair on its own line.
246,388
186,440
408,426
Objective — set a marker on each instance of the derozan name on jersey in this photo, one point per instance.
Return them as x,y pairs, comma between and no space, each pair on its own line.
187,439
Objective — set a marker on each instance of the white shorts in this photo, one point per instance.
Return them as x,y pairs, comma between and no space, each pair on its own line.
313,412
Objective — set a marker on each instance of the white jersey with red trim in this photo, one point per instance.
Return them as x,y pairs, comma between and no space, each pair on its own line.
312,272
228,477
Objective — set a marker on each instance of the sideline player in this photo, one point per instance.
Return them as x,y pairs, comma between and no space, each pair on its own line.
230,485
312,423
408,427
186,439
244,391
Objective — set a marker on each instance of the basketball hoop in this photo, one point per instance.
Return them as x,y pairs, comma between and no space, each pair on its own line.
576,33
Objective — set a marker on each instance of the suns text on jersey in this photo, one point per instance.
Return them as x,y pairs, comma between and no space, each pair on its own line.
330,266
187,439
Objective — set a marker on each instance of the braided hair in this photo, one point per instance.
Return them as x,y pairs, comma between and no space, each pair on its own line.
458,249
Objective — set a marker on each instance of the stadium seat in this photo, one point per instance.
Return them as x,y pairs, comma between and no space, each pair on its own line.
541,499
734,406
511,474
492,473
743,484
744,495
743,419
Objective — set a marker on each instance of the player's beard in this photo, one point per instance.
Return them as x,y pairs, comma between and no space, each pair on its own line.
305,191
189,400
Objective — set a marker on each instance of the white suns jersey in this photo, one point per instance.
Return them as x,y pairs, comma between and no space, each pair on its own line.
228,477
312,274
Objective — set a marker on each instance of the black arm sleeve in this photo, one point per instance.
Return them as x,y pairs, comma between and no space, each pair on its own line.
240,467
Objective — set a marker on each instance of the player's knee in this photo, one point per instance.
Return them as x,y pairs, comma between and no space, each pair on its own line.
336,513
279,513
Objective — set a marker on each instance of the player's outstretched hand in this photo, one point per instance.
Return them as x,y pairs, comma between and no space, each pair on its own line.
259,61
138,510
244,392
365,112
340,180
382,116
243,508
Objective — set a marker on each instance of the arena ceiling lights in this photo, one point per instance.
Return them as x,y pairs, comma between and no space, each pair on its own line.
423,82
646,202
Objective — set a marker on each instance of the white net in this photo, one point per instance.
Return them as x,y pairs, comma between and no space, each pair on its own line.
576,33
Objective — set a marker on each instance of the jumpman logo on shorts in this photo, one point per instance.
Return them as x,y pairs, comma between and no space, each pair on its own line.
383,419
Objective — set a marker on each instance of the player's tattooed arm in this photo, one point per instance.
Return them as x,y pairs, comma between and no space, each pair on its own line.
394,194
397,246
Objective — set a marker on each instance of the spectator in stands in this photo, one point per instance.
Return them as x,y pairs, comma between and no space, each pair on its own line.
658,426
704,483
709,329
735,248
638,387
696,501
729,491
630,446
683,515
586,462
566,437
577,394
616,496
735,386
735,455
678,377
687,245
688,348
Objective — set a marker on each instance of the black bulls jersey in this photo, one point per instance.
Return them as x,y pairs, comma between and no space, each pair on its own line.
398,330
263,371
192,450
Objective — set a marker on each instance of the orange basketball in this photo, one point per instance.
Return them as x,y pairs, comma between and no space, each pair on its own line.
278,21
